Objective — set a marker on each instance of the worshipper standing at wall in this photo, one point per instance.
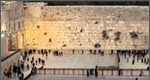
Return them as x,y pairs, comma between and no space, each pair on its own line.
111,51
82,51
73,51
90,51
87,73
95,52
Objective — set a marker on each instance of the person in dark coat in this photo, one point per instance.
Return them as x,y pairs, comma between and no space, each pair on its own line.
142,60
136,79
125,55
22,67
90,51
94,51
36,62
111,51
8,74
46,54
82,51
87,73
28,59
27,66
39,60
73,51
33,64
33,59
133,62
96,73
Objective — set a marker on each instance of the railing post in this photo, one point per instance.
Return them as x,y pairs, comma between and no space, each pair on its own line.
44,71
102,71
131,72
54,71
82,71
73,71
63,71
112,72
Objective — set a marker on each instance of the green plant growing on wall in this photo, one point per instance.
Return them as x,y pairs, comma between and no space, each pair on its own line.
117,34
134,36
105,36
97,45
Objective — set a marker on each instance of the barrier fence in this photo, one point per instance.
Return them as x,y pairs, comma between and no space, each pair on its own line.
107,72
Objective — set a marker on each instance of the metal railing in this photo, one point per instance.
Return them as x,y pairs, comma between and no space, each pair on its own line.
107,72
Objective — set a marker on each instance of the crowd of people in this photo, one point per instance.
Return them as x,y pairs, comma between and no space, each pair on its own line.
16,70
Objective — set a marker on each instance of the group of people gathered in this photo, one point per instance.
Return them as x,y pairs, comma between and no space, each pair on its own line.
140,54
16,70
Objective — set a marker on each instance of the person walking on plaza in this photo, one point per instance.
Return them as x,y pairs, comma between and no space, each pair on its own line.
33,64
133,62
46,54
145,60
27,66
39,60
142,60
87,73
82,51
43,54
36,62
127,59
33,59
28,59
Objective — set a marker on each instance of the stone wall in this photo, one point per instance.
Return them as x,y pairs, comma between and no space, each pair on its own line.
82,27
4,46
10,61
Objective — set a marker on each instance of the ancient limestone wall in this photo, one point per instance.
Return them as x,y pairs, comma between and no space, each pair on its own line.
86,27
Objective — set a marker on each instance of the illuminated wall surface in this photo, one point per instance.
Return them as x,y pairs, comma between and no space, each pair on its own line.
4,46
20,46
77,27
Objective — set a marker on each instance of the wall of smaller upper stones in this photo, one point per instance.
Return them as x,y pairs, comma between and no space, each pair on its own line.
17,16
82,27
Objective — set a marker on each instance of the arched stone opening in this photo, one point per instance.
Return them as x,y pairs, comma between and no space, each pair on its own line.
5,72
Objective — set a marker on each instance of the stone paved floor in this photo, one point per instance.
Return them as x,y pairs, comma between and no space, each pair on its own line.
137,65
74,77
77,60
